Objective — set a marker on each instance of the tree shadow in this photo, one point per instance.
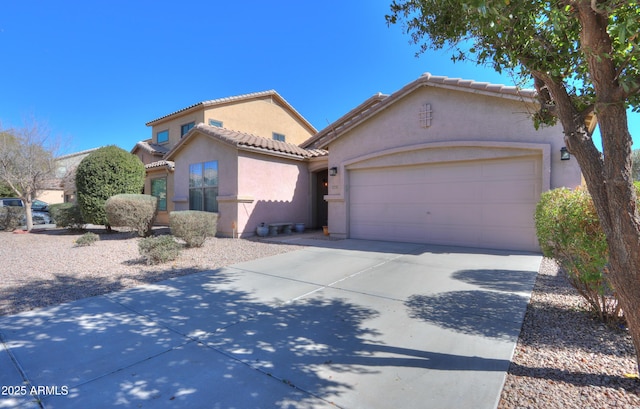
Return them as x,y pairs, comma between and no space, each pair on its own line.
486,313
108,349
576,378
62,288
498,280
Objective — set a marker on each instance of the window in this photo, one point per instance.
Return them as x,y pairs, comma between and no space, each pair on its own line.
213,122
159,190
186,128
203,186
278,137
162,136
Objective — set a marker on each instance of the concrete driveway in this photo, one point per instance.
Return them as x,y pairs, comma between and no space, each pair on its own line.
349,324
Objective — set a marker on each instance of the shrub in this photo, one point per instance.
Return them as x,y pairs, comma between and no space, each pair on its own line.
11,217
106,172
157,250
569,231
67,215
193,226
137,212
87,239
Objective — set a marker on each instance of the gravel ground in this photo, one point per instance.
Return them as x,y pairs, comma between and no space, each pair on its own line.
563,359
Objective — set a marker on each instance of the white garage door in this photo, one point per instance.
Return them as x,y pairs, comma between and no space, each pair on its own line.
487,204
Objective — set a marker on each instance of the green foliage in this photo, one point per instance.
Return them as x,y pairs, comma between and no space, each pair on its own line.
135,211
11,217
569,231
5,190
158,250
525,36
193,226
87,239
67,215
104,173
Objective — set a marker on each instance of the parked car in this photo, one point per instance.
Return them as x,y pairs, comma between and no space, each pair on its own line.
39,209
11,201
40,206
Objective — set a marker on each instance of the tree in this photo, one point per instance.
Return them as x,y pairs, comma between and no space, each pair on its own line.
106,172
27,162
584,59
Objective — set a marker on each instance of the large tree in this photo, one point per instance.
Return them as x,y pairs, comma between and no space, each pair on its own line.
583,58
27,162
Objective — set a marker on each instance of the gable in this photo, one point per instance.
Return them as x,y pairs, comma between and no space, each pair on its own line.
461,89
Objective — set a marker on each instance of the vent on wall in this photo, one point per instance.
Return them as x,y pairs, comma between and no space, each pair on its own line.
425,115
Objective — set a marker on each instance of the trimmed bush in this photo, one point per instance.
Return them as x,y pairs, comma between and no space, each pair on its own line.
193,226
158,250
138,212
569,231
67,215
11,217
87,239
106,172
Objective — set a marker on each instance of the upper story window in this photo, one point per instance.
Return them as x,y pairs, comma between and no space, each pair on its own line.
278,137
213,122
162,136
186,128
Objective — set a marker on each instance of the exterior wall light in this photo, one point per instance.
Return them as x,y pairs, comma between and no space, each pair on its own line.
333,171
564,153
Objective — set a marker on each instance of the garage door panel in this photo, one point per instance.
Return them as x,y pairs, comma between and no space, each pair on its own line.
517,216
482,204
509,191
397,212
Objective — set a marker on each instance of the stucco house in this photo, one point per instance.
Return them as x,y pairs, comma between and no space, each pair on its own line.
443,161
263,114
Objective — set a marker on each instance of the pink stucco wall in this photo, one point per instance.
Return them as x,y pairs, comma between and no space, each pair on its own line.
253,187
279,187
464,126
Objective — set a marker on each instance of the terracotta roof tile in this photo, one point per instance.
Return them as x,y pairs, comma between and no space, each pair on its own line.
157,164
152,148
241,139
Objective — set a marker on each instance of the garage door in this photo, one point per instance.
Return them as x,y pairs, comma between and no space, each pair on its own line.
487,204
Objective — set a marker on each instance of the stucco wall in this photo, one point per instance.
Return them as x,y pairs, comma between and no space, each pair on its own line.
278,188
204,149
173,124
463,126
260,117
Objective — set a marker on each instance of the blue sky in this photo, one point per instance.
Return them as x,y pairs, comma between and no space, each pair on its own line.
96,71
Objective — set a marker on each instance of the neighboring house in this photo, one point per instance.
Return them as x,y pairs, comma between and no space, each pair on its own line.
443,161
263,114
62,188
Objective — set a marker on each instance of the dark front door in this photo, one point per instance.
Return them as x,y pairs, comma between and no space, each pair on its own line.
321,206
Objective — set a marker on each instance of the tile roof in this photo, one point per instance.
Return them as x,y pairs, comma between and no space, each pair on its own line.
152,148
239,98
380,101
251,142
157,164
